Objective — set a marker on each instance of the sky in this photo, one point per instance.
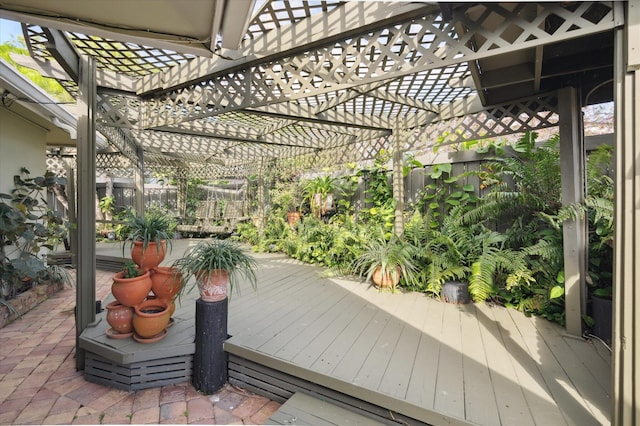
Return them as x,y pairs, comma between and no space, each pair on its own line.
9,30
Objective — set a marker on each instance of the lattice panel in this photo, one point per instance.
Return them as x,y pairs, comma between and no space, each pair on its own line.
361,152
118,110
432,86
126,58
112,161
58,165
278,13
120,139
420,45
529,114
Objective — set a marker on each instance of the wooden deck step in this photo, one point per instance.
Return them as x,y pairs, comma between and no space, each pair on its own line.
308,410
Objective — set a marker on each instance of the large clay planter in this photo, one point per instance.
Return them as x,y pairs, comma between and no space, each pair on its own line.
151,318
385,280
131,291
166,282
293,218
151,256
213,285
120,317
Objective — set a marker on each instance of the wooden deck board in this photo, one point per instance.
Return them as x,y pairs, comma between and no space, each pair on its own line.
579,373
430,361
421,389
565,395
304,409
449,397
511,402
479,405
527,371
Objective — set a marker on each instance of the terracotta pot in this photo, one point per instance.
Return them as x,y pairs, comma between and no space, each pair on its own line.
170,302
120,317
151,317
131,291
213,285
293,218
151,256
385,280
166,282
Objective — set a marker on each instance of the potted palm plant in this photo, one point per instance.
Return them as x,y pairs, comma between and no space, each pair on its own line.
148,236
385,262
217,265
319,192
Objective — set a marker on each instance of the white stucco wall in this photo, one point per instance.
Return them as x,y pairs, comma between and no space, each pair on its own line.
22,144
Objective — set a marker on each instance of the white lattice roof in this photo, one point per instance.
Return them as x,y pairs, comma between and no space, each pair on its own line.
312,77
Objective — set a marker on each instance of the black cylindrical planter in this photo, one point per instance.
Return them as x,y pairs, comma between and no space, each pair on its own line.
455,292
602,314
210,361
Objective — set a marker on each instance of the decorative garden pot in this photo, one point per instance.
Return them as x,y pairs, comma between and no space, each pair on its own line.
166,282
131,291
213,285
120,317
170,302
387,279
151,256
151,318
455,292
293,218
602,314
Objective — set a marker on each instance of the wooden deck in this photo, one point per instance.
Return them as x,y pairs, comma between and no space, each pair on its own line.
413,355
409,355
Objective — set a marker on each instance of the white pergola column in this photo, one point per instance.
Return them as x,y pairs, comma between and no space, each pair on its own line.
398,180
626,272
86,186
138,178
574,232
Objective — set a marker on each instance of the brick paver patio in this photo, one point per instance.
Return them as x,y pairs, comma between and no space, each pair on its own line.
39,383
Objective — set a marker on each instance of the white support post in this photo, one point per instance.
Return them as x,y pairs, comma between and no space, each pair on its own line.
398,180
139,181
86,169
626,272
572,166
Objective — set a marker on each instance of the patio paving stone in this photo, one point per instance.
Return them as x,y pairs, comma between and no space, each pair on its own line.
174,413
199,409
39,383
146,416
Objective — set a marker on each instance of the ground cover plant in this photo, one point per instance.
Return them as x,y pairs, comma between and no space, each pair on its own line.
506,243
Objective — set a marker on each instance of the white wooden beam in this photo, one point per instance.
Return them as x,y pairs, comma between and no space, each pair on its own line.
281,42
574,242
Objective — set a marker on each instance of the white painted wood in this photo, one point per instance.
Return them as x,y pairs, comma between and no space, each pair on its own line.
512,406
480,404
449,396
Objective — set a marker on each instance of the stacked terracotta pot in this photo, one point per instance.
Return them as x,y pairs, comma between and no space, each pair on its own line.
144,304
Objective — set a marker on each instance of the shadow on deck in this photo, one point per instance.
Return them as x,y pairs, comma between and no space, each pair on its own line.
394,357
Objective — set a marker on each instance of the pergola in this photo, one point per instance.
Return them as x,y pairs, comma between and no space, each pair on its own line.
229,88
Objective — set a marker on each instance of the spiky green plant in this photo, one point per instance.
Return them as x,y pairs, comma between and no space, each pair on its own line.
153,226
218,254
395,257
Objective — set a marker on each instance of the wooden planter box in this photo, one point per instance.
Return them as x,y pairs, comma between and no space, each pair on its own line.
26,301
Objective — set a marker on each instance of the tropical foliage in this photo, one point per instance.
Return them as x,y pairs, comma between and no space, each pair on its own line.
28,227
499,228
